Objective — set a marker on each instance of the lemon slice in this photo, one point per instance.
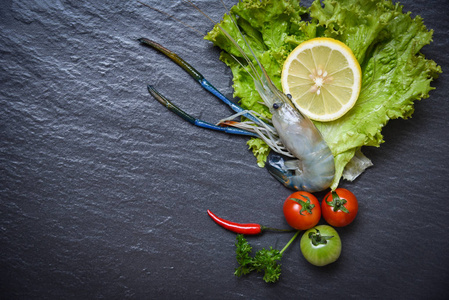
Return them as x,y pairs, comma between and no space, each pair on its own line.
323,77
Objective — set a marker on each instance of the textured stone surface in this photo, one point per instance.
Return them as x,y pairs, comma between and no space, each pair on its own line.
104,192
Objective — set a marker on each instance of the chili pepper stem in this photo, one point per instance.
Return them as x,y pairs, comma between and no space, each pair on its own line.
291,241
263,228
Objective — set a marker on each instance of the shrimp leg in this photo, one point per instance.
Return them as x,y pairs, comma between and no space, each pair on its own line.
192,120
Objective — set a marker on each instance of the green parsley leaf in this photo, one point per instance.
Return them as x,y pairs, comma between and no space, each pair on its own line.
265,261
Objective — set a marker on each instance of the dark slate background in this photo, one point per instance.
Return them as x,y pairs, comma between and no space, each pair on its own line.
104,192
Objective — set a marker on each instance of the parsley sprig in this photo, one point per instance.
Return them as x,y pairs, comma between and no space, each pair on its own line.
266,261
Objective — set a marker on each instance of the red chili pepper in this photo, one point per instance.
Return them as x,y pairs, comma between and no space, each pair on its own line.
249,228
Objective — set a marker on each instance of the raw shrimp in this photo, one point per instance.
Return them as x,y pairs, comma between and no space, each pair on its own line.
289,132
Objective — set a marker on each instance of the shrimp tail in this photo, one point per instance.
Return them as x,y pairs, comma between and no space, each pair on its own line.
276,167
296,175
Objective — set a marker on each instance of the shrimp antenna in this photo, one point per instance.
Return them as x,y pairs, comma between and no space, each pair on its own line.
198,9
253,70
249,47
224,5
171,17
252,52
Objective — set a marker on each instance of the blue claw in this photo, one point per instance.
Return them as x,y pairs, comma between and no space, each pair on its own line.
197,76
192,120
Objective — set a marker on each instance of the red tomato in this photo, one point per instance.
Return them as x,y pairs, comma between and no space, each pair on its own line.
340,207
302,210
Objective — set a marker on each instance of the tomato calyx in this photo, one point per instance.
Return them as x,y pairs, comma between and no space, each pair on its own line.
318,239
337,203
305,205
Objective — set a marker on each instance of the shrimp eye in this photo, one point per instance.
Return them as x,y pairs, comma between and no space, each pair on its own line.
275,105
289,96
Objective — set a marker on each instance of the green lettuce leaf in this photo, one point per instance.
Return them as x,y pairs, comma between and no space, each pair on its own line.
385,41
394,74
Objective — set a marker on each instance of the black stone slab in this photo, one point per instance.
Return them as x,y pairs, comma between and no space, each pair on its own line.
104,192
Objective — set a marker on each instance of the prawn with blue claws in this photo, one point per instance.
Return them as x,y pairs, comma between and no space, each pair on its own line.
302,159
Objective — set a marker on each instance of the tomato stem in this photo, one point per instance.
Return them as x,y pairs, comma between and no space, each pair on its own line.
305,205
337,203
291,241
318,239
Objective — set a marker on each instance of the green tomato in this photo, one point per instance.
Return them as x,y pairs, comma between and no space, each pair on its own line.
321,245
